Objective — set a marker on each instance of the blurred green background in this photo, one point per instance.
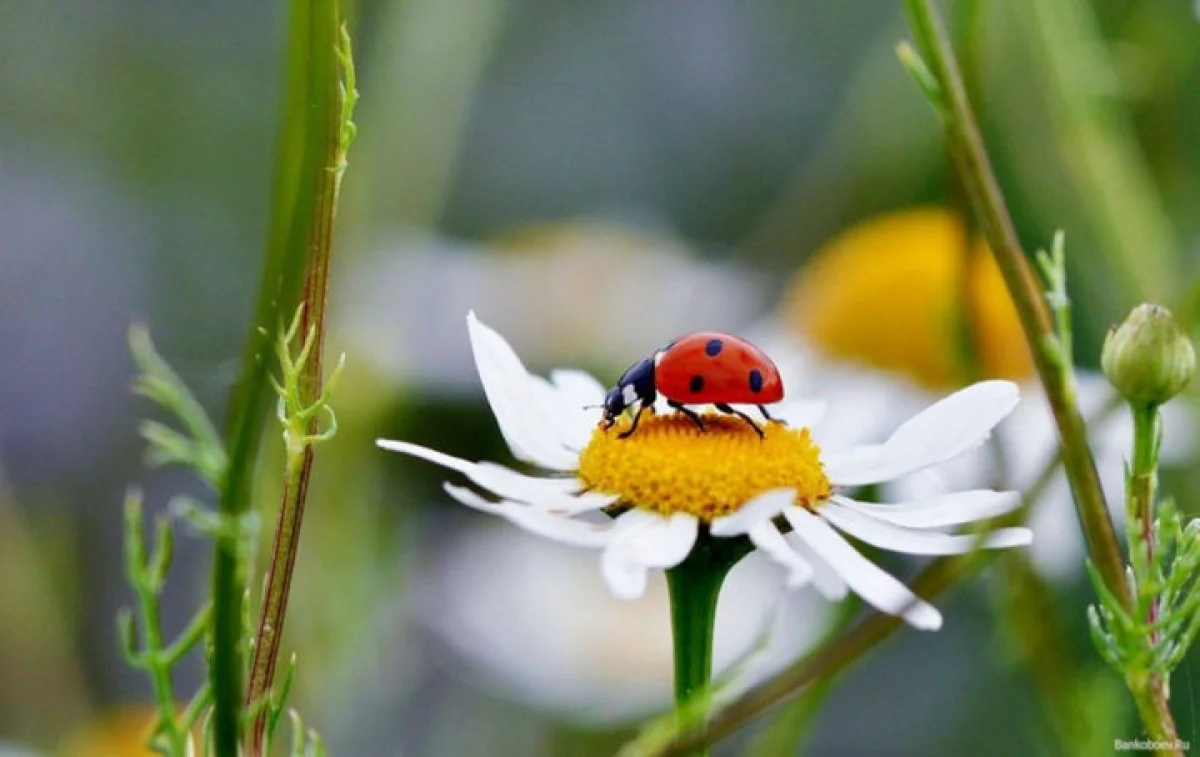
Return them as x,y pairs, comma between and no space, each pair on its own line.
591,177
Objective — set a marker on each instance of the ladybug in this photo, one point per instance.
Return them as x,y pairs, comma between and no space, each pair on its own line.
705,367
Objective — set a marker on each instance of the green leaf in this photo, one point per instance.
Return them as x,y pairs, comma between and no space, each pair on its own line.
198,446
912,62
127,634
135,539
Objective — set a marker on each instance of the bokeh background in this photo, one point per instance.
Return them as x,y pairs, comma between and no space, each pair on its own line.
593,179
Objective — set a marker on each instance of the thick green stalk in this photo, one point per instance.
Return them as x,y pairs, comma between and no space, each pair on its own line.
694,590
695,587
975,170
308,127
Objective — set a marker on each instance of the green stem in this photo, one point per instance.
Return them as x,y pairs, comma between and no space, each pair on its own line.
1149,689
1144,476
160,670
1151,702
279,582
694,590
966,147
147,582
308,128
335,131
695,586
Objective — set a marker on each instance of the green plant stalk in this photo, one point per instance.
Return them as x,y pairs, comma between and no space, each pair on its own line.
160,672
1148,688
151,630
308,121
695,585
967,149
1143,483
325,38
279,580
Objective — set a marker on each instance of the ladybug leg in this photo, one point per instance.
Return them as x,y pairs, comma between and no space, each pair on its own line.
727,409
762,409
691,414
636,417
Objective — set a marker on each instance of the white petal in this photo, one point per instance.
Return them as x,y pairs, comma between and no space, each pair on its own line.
825,579
580,387
645,540
558,494
560,528
899,539
570,423
761,509
529,435
767,538
939,511
946,429
867,580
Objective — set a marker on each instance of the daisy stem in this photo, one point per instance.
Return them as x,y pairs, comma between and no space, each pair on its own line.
695,587
939,76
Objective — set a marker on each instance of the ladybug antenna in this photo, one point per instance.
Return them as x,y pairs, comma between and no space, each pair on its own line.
593,407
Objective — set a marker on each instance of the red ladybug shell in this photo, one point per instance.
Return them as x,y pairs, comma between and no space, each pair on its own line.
708,367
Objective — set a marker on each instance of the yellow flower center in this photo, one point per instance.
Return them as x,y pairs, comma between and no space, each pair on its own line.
668,465
907,293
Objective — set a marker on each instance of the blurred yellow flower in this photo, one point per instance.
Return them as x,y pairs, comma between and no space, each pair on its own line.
906,293
121,731
903,307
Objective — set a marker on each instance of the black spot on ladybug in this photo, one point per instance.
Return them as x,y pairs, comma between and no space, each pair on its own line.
696,384
713,348
756,380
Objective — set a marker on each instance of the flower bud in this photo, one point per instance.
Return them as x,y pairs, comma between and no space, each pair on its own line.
1148,358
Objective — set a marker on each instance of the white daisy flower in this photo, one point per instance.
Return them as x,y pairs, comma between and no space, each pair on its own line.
671,483
877,323
534,620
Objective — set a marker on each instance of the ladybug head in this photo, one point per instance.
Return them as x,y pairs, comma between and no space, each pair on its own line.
636,385
614,405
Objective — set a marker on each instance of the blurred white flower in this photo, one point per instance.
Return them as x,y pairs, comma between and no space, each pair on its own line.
562,293
534,620
671,484
880,321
